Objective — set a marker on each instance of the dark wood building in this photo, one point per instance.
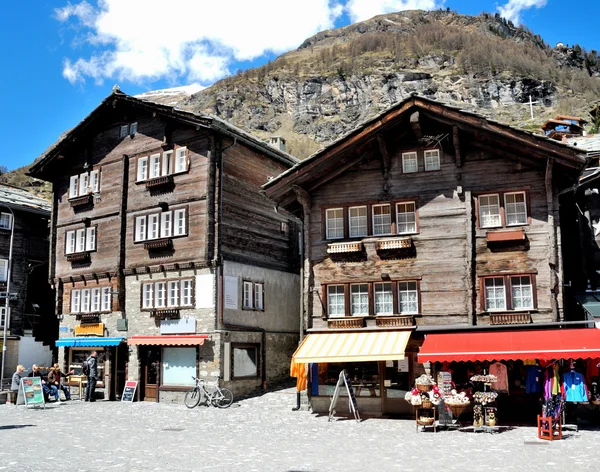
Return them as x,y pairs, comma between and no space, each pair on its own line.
32,326
162,240
426,218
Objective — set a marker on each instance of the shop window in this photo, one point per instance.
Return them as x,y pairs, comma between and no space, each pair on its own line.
171,294
173,161
5,221
384,299
364,377
178,366
397,376
408,298
164,224
359,300
409,162
509,292
334,223
357,221
406,217
78,355
382,219
245,361
432,160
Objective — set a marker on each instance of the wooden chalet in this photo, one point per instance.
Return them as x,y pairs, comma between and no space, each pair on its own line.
166,257
426,218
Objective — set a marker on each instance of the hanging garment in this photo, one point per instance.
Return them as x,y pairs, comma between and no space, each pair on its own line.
529,362
574,387
534,378
555,380
499,370
591,368
548,383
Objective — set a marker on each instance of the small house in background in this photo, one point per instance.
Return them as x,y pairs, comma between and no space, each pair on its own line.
564,126
29,317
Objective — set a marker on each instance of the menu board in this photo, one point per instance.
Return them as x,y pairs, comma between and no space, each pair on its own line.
32,391
129,391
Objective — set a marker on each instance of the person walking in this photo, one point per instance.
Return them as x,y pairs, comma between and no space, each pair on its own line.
54,378
92,376
16,378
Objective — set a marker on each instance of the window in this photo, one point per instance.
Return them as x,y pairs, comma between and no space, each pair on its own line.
4,318
5,220
245,361
406,218
178,366
80,240
336,300
408,298
128,130
409,162
85,301
84,184
3,270
253,296
382,219
359,300
167,294
489,211
432,159
509,292
335,223
495,295
160,225
162,164
384,299
357,217
95,300
106,299
76,301
516,208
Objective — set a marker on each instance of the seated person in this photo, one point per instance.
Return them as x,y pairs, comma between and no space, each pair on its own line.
48,389
54,378
16,378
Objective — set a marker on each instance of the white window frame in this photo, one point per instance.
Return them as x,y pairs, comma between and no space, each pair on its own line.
168,294
382,289
153,231
432,160
358,225
90,239
141,228
143,168
106,299
488,207
247,295
359,291
410,159
96,300
409,226
3,270
334,224
259,294
148,295
520,211
405,289
181,159
160,294
74,186
187,292
86,300
70,242
495,286
133,128
154,169
179,222
166,224
521,286
5,217
333,297
94,182
80,240
76,301
173,293
84,183
376,231
124,131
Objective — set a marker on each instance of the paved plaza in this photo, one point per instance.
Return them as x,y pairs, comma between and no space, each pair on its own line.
264,434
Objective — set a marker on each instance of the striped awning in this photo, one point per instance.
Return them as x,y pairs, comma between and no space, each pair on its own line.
197,340
352,347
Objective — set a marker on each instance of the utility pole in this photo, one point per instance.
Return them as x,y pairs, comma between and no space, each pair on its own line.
7,299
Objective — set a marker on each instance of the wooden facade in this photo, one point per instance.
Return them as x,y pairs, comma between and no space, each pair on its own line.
435,209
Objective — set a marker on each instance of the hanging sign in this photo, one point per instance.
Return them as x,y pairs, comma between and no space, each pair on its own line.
93,329
129,391
32,391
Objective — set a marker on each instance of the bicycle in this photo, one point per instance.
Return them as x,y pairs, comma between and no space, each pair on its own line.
218,396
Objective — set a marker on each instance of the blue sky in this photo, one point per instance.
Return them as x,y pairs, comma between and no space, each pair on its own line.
65,61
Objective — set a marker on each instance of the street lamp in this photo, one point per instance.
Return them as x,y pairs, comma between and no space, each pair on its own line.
6,300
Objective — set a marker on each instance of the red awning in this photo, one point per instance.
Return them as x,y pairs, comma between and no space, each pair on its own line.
197,340
511,345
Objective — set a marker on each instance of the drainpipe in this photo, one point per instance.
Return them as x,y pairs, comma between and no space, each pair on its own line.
6,300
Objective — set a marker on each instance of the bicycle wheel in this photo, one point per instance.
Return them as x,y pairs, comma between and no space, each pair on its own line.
192,398
223,398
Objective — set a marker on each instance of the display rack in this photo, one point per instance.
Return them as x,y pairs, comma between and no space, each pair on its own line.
549,428
429,413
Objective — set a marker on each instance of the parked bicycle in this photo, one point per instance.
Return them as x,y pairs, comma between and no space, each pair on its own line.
217,396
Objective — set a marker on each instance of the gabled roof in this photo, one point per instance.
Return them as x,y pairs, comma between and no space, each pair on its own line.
197,119
18,199
301,173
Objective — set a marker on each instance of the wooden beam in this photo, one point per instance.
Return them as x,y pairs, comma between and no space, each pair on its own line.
385,156
456,140
415,124
505,153
553,256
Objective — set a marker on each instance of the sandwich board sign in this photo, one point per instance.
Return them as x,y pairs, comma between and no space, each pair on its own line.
344,381
129,391
32,391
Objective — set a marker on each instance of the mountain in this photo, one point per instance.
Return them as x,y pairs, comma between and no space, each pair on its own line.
342,77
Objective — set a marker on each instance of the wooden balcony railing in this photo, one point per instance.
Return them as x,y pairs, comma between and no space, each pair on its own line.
510,318
163,243
165,314
338,248
82,200
345,323
165,180
78,256
394,243
394,321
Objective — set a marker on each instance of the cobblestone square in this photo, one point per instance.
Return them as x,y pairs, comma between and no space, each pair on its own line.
263,434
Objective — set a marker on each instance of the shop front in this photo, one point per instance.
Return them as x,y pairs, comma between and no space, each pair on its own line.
377,364
521,374
111,355
167,365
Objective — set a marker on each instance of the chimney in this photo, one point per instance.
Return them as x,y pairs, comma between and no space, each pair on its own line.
277,142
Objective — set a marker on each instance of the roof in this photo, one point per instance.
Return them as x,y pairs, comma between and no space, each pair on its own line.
563,153
194,118
18,199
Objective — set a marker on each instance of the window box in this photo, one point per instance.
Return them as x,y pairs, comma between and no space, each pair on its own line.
505,236
165,314
78,256
164,243
394,243
394,321
346,323
88,317
337,248
165,180
510,318
82,201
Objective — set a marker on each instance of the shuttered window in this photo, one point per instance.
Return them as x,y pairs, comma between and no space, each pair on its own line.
168,294
160,225
162,164
80,240
84,184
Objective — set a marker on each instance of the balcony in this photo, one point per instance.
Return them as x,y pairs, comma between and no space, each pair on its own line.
157,182
395,321
341,248
79,257
346,323
81,201
510,318
158,244
394,244
165,314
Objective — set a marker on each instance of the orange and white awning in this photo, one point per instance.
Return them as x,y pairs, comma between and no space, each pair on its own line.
352,347
197,340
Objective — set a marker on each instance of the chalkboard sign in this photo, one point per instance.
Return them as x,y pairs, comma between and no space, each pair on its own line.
129,391
32,391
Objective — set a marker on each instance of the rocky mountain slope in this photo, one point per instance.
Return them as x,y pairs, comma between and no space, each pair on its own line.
339,78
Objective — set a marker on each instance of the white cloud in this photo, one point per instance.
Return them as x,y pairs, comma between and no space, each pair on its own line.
512,10
360,10
141,40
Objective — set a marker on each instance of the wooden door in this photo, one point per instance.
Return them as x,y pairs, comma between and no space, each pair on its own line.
151,374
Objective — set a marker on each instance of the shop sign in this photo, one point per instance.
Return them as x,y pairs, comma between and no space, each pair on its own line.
93,329
231,292
129,391
32,391
182,326
63,329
